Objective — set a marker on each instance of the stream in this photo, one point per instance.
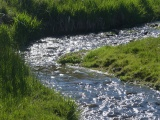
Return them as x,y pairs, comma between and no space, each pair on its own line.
98,96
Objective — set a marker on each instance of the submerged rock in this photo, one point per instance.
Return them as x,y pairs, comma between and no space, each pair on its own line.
92,105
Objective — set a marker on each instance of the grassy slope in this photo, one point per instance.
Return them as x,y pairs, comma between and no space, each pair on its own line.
137,61
21,95
42,103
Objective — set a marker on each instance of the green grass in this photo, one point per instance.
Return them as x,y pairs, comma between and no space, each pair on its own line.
42,103
21,95
74,58
26,29
137,61
74,16
24,21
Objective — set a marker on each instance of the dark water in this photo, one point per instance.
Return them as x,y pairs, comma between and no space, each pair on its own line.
100,97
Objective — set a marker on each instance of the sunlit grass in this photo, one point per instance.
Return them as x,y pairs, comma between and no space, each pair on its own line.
137,61
72,16
22,96
26,29
42,103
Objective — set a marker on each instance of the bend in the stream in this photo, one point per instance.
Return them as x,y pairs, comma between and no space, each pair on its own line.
99,96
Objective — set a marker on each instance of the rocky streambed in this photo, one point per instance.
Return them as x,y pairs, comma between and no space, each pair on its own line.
99,97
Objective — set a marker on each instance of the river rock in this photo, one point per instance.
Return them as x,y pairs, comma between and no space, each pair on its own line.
130,92
153,25
113,114
92,105
157,103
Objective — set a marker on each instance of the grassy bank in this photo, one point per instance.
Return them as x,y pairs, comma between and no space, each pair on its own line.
137,61
23,21
74,16
22,96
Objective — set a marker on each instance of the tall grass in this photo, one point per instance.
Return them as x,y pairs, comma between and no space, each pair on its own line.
21,95
13,71
26,29
68,16
22,21
72,16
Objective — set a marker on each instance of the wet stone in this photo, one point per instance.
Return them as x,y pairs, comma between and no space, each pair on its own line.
157,103
130,92
126,116
113,114
92,105
116,118
154,25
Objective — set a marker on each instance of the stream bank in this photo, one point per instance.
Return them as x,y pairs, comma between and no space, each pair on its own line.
99,96
135,62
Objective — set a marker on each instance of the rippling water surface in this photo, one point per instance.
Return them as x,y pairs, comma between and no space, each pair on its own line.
100,97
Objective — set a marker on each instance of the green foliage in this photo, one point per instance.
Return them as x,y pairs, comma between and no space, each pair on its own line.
5,37
74,58
42,103
68,16
13,72
130,62
26,29
21,95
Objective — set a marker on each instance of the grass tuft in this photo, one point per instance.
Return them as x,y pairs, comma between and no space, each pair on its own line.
26,29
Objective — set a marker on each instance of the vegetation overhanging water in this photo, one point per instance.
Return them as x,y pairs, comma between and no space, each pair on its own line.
22,22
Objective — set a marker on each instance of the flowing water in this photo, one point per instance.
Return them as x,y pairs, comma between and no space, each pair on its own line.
99,97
